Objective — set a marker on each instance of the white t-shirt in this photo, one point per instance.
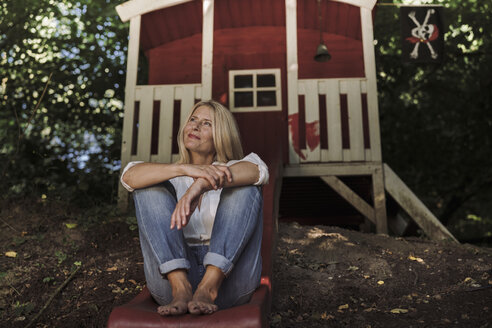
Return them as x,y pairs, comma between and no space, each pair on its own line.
199,228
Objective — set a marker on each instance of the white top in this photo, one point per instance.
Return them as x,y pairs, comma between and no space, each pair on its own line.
199,228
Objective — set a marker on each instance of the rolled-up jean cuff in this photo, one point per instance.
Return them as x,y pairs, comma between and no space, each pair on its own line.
175,264
218,261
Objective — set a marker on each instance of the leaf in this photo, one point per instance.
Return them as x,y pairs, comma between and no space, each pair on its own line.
11,254
343,307
398,311
122,280
71,225
413,258
380,282
113,268
19,241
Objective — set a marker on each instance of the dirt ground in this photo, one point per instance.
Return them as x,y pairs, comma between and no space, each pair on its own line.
66,268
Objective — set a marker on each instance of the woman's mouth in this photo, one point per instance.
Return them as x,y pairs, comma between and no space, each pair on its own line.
192,136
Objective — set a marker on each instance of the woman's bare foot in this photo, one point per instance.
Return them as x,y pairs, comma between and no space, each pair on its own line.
181,294
206,293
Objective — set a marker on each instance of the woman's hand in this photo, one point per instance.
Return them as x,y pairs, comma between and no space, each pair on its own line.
216,175
188,203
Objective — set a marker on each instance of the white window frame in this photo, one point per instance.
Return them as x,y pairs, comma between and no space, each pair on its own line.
255,89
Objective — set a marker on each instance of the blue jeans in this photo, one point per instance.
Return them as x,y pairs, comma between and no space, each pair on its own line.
235,244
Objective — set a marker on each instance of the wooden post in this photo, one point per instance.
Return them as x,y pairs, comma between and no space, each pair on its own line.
372,92
131,83
350,196
414,207
379,200
292,69
207,48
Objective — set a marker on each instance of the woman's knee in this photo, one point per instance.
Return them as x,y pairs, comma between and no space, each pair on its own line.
244,193
157,194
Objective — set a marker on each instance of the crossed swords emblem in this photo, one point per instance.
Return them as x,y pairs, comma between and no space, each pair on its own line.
423,33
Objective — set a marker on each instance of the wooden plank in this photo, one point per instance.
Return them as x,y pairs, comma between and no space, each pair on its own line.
131,82
372,92
345,151
292,69
166,124
136,8
198,92
414,207
356,127
369,4
350,196
313,151
207,48
334,122
187,102
338,169
379,200
145,123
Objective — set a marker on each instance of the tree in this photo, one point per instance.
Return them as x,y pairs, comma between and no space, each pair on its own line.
72,140
436,120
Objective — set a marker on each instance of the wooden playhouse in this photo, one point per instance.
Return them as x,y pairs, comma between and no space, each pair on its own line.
305,118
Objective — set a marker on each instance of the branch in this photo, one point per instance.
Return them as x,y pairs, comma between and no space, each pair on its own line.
52,297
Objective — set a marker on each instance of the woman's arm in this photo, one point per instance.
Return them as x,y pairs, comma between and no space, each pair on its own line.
146,174
143,175
243,173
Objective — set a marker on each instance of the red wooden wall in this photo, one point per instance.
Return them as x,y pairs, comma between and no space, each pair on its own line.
250,34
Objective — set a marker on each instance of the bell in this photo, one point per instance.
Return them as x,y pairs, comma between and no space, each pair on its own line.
322,54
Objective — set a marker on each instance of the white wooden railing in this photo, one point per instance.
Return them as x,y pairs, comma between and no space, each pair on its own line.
332,89
145,95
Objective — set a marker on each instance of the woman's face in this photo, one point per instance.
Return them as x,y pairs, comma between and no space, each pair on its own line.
198,133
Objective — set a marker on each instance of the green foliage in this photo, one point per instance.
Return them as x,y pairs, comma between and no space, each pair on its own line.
17,241
23,308
83,45
436,124
48,279
61,257
131,221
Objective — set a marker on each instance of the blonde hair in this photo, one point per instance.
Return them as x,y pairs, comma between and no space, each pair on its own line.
225,132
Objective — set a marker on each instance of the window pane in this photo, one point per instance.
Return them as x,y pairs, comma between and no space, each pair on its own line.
265,80
243,99
243,81
267,98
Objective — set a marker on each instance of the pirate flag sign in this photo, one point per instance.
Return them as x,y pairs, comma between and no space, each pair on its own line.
422,34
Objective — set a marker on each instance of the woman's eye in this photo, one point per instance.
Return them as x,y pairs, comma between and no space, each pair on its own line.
207,124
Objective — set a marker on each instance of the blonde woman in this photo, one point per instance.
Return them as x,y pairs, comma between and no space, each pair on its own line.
200,219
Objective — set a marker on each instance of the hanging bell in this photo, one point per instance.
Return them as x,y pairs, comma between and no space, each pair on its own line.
322,54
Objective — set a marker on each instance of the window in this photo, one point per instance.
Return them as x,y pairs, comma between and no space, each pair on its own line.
254,90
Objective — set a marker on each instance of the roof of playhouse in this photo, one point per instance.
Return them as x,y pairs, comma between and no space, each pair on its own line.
132,8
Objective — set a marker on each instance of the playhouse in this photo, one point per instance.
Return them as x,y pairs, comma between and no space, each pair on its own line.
305,117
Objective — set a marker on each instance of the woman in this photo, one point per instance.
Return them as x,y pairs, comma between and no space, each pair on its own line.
201,243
